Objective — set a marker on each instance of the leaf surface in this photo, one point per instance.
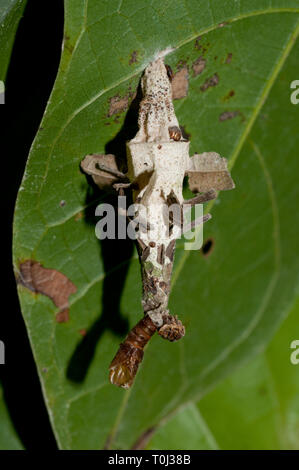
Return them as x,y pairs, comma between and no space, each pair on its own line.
10,14
230,301
256,407
259,403
8,436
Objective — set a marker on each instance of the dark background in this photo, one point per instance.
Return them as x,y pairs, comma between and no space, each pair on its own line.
30,78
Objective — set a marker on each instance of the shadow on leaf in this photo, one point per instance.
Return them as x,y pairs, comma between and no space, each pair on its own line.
116,255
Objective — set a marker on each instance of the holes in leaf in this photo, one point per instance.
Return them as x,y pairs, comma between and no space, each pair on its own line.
208,246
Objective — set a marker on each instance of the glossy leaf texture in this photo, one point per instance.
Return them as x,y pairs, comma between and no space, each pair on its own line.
231,300
10,14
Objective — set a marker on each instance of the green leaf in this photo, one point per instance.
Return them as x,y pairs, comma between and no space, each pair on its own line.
231,301
257,407
8,437
184,431
10,14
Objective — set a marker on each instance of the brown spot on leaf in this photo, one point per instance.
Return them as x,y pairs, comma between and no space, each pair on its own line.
229,58
118,104
221,25
180,84
181,64
230,94
228,115
49,282
79,216
63,316
67,46
262,390
211,81
198,66
197,44
133,57
208,247
83,332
